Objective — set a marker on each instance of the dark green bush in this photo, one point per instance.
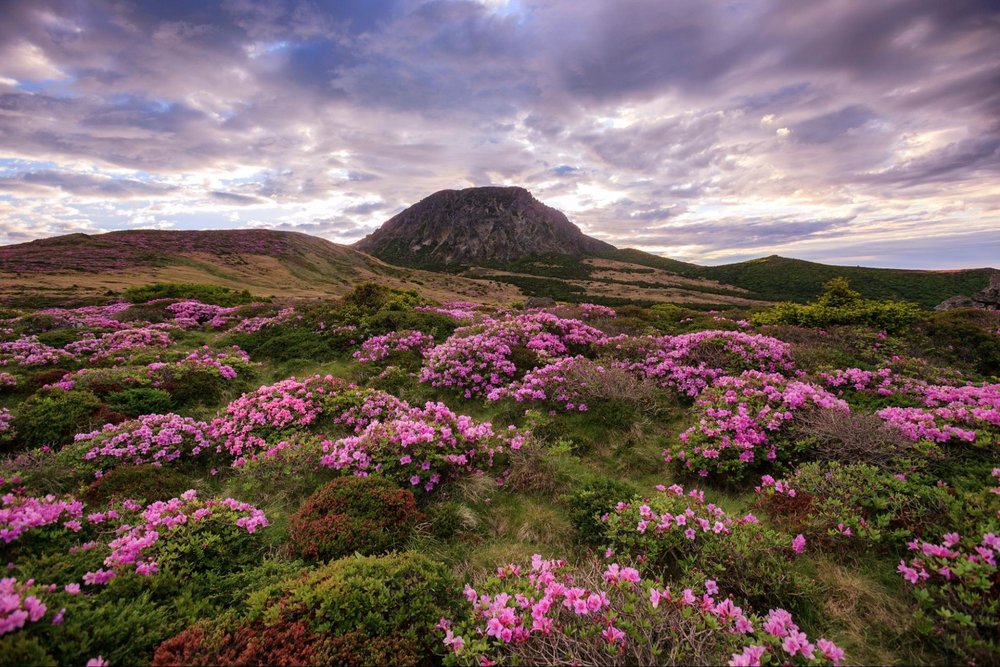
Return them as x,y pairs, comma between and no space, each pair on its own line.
966,337
285,342
140,401
365,515
54,417
401,596
591,501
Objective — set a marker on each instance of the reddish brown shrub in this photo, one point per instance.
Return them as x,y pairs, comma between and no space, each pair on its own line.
367,515
208,643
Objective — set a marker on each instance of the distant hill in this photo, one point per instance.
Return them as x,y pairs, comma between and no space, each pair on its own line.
781,278
268,263
633,275
477,225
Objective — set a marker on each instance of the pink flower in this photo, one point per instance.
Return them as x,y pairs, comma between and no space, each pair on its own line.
97,662
750,657
830,651
799,543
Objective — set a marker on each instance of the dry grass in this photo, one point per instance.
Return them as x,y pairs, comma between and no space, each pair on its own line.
869,620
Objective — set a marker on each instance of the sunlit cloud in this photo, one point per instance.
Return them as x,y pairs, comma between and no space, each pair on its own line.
708,131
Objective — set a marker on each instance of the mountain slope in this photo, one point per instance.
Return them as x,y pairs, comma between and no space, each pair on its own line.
782,278
263,261
475,225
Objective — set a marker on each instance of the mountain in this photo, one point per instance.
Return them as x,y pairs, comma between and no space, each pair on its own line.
477,225
268,263
633,275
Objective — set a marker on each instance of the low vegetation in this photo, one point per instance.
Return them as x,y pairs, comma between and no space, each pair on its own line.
194,476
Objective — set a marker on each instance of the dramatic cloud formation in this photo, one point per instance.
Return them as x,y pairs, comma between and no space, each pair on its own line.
846,131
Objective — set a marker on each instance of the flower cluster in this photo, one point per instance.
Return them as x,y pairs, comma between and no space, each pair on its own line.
422,448
460,311
554,613
20,513
155,439
691,362
739,418
944,424
272,412
136,545
568,382
193,314
254,324
377,348
29,351
479,359
117,346
18,606
956,584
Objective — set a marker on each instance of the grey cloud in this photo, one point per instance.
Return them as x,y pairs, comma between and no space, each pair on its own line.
84,185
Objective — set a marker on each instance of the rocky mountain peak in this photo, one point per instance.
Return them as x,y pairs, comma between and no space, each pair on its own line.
476,225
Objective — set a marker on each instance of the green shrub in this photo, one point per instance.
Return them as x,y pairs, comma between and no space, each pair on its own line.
144,482
746,558
592,501
140,401
220,296
840,305
400,596
966,337
286,342
53,417
363,515
852,506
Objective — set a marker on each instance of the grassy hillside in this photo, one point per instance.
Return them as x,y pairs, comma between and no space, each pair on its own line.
781,278
776,278
268,263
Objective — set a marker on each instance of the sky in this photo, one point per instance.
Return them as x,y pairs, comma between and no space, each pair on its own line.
844,131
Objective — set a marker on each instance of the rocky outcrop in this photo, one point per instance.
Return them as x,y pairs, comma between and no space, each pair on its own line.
477,225
988,298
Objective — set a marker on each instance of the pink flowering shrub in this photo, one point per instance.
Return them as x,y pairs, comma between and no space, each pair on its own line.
691,362
255,324
119,346
186,534
272,412
195,377
155,439
740,420
851,506
6,425
28,351
378,348
957,585
460,311
551,613
20,514
421,449
576,383
193,314
18,605
7,381
678,532
944,424
476,360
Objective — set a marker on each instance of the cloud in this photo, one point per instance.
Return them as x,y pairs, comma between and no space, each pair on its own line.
699,128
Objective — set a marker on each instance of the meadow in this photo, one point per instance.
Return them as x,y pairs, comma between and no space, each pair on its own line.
196,476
